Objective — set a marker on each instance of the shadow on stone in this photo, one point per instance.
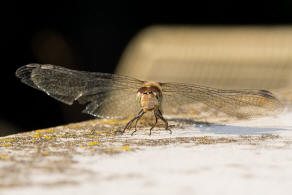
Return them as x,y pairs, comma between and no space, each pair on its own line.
216,128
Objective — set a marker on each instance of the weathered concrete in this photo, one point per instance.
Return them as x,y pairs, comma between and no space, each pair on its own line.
247,156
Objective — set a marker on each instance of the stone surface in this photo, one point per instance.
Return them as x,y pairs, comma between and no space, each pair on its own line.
240,157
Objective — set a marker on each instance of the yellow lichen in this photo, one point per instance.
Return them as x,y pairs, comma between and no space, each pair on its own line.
206,140
46,153
45,130
36,135
48,137
6,145
193,112
127,148
92,143
108,121
6,140
3,156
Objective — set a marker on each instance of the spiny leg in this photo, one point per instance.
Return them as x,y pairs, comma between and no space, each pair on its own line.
154,123
129,123
127,126
159,115
141,113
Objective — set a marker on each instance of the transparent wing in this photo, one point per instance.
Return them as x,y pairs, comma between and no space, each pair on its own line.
236,103
107,95
114,104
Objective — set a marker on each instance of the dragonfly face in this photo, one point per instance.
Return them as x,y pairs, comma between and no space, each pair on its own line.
150,96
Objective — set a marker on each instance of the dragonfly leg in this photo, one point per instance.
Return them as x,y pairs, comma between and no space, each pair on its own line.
129,124
159,115
138,118
156,117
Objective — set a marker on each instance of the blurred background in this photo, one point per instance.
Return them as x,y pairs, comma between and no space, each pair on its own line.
99,36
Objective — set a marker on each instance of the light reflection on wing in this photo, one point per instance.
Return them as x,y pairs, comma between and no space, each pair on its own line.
107,95
236,103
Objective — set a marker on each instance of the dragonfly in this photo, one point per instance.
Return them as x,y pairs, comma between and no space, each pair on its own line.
115,96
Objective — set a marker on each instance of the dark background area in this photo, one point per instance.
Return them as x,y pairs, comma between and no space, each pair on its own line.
91,35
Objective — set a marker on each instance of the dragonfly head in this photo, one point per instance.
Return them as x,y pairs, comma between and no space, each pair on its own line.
149,96
150,91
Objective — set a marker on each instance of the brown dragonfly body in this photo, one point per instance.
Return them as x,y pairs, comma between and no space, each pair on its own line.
149,97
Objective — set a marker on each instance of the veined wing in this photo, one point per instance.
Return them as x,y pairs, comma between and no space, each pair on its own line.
107,95
236,103
111,104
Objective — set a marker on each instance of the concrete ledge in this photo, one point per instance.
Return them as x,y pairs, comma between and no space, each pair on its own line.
247,156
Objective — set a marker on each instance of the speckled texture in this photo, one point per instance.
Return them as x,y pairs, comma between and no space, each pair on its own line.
51,157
